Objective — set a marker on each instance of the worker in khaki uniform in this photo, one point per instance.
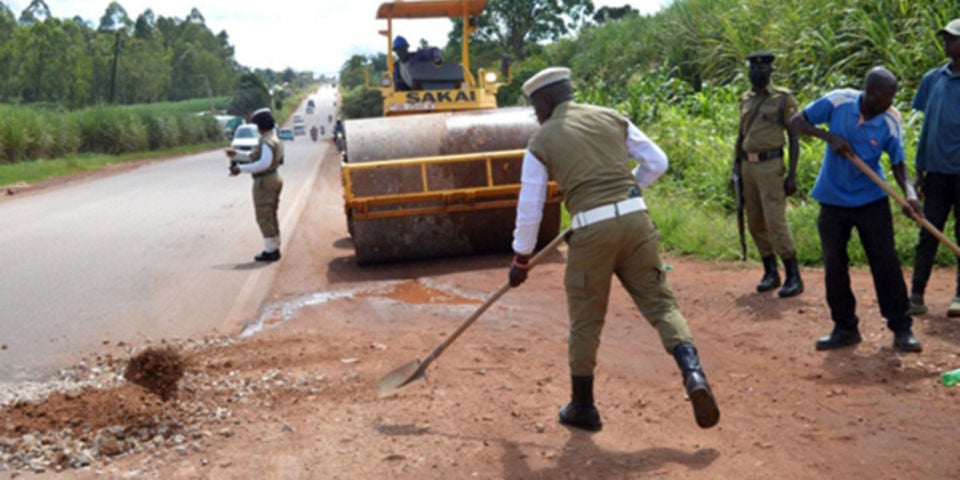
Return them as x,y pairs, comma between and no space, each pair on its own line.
765,112
587,150
262,163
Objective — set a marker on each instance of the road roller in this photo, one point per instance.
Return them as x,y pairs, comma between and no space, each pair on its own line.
439,174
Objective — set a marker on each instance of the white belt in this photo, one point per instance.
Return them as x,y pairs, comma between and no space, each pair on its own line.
606,212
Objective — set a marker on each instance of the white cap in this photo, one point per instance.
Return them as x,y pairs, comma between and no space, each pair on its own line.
547,76
953,28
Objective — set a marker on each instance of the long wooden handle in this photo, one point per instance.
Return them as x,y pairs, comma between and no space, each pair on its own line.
490,301
917,218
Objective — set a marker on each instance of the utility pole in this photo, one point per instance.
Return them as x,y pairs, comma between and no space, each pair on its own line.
113,77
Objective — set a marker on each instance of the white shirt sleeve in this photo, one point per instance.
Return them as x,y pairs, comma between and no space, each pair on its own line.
266,159
533,194
652,161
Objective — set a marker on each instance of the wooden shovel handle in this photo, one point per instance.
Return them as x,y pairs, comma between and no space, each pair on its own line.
890,191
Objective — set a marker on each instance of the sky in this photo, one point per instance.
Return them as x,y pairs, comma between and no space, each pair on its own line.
306,35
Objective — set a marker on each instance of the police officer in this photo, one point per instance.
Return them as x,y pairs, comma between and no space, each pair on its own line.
587,149
765,112
262,163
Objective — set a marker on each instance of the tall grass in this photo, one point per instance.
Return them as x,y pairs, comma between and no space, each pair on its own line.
28,133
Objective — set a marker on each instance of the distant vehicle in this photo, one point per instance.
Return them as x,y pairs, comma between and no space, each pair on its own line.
309,110
245,138
285,134
310,103
297,119
299,130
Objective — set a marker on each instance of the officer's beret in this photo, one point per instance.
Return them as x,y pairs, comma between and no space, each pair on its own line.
761,57
547,76
953,28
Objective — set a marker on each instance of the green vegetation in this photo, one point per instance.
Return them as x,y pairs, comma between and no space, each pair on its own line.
32,172
678,75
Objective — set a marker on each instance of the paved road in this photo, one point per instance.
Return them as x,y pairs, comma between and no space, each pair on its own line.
162,251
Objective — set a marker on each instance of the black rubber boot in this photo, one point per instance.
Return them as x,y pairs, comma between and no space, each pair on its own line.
771,277
581,412
793,284
705,408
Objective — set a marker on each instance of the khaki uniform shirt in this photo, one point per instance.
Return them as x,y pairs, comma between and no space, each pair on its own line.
584,148
764,116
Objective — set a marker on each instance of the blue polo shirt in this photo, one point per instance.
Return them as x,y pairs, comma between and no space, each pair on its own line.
840,182
939,99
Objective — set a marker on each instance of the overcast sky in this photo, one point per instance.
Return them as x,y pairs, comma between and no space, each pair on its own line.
315,35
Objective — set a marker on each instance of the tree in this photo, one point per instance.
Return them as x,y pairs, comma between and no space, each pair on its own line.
517,24
145,24
37,11
250,95
605,14
114,19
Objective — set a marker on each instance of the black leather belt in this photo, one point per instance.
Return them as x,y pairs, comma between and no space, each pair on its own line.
264,174
761,156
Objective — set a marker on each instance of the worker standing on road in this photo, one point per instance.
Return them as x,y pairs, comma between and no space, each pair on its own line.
764,113
262,163
587,149
938,162
862,123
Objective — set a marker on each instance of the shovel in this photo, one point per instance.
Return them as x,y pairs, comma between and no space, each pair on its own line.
923,222
416,369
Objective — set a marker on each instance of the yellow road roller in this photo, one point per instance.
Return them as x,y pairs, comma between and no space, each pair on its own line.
439,174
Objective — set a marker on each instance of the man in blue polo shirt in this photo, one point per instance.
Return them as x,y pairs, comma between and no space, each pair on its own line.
861,123
938,161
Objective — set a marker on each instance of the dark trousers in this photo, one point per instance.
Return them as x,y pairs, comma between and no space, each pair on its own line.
941,193
874,225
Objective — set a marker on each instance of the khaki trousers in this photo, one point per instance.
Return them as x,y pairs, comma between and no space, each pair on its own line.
626,247
766,205
266,201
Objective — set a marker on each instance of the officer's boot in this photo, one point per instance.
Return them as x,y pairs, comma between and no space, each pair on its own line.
581,412
792,284
771,277
705,408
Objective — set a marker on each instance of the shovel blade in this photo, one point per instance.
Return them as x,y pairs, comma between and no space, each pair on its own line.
399,378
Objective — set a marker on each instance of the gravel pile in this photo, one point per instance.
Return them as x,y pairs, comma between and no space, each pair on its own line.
201,413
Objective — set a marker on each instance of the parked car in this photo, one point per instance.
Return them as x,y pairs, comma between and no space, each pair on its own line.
285,134
245,138
299,130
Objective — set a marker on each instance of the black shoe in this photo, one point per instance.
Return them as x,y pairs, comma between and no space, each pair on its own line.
586,417
266,256
705,409
839,339
907,342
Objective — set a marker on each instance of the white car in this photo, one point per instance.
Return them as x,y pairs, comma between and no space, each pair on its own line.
245,138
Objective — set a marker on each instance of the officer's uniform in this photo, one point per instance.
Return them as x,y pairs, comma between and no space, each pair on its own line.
592,169
763,119
262,163
587,150
267,186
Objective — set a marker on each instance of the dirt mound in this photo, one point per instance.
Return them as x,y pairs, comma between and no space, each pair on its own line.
158,369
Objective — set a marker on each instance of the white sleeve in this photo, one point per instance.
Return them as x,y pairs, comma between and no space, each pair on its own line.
266,159
533,193
652,162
